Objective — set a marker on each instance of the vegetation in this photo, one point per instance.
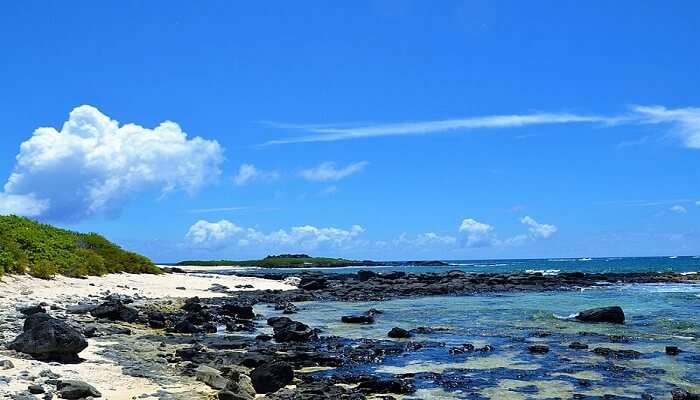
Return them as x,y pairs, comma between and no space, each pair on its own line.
43,251
279,261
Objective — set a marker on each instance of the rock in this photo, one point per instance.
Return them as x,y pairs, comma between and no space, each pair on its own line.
270,377
365,275
316,284
293,332
398,333
240,383
49,339
186,326
228,395
672,350
613,315
680,394
392,385
465,348
357,319
193,304
36,389
71,389
618,354
578,346
31,310
115,310
238,311
538,349
6,364
211,377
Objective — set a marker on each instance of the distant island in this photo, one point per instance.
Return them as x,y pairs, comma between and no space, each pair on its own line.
43,251
304,261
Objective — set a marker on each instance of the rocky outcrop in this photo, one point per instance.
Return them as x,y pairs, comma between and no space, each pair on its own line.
115,310
398,333
613,315
286,330
46,338
270,377
70,389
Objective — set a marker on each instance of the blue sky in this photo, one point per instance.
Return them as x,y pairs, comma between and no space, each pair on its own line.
367,129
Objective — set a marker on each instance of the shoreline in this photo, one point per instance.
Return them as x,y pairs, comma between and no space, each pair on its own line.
152,363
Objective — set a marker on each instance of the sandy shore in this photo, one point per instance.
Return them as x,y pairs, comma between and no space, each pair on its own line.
105,374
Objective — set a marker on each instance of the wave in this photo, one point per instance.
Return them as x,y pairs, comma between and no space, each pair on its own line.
543,271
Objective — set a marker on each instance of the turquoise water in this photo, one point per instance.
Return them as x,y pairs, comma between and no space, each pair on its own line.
657,315
627,264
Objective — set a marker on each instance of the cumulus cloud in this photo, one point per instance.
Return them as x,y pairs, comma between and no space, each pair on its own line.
678,209
477,233
428,239
93,166
329,171
538,230
225,233
248,173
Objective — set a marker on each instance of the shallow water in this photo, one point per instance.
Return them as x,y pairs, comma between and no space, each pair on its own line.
657,316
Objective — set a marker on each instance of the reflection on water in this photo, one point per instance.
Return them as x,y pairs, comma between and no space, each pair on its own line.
657,316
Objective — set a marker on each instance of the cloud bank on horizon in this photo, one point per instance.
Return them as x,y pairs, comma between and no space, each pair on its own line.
225,234
685,124
93,166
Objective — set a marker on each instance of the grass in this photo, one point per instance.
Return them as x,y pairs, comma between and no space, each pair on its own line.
44,251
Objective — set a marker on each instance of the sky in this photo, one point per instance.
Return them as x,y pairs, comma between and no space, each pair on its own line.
378,129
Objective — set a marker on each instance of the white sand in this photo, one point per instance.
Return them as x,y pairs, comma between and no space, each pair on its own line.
104,374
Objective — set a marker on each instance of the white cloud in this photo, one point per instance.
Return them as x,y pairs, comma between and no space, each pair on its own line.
19,204
477,233
248,173
685,120
328,171
697,203
679,209
686,123
538,230
225,233
429,239
93,166
329,134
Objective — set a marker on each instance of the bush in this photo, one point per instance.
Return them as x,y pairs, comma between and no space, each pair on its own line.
44,251
43,269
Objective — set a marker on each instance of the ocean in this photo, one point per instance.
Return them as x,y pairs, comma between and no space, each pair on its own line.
658,315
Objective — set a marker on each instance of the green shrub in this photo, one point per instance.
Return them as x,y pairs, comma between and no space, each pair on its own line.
43,269
44,251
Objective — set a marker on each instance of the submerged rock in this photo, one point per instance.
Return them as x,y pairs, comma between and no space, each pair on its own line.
357,319
578,346
613,315
538,349
46,338
672,350
270,377
398,333
680,394
619,354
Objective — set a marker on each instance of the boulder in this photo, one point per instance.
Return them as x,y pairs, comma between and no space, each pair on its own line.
398,333
293,331
115,310
30,310
357,319
578,346
672,350
613,315
538,349
238,311
680,394
49,339
211,377
70,389
270,377
365,275
617,354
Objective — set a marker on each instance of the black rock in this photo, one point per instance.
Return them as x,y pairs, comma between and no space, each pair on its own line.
36,389
578,346
271,377
357,319
538,349
316,284
32,310
364,275
614,315
398,333
115,310
393,385
293,331
70,389
680,394
618,354
238,311
193,304
672,350
49,339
